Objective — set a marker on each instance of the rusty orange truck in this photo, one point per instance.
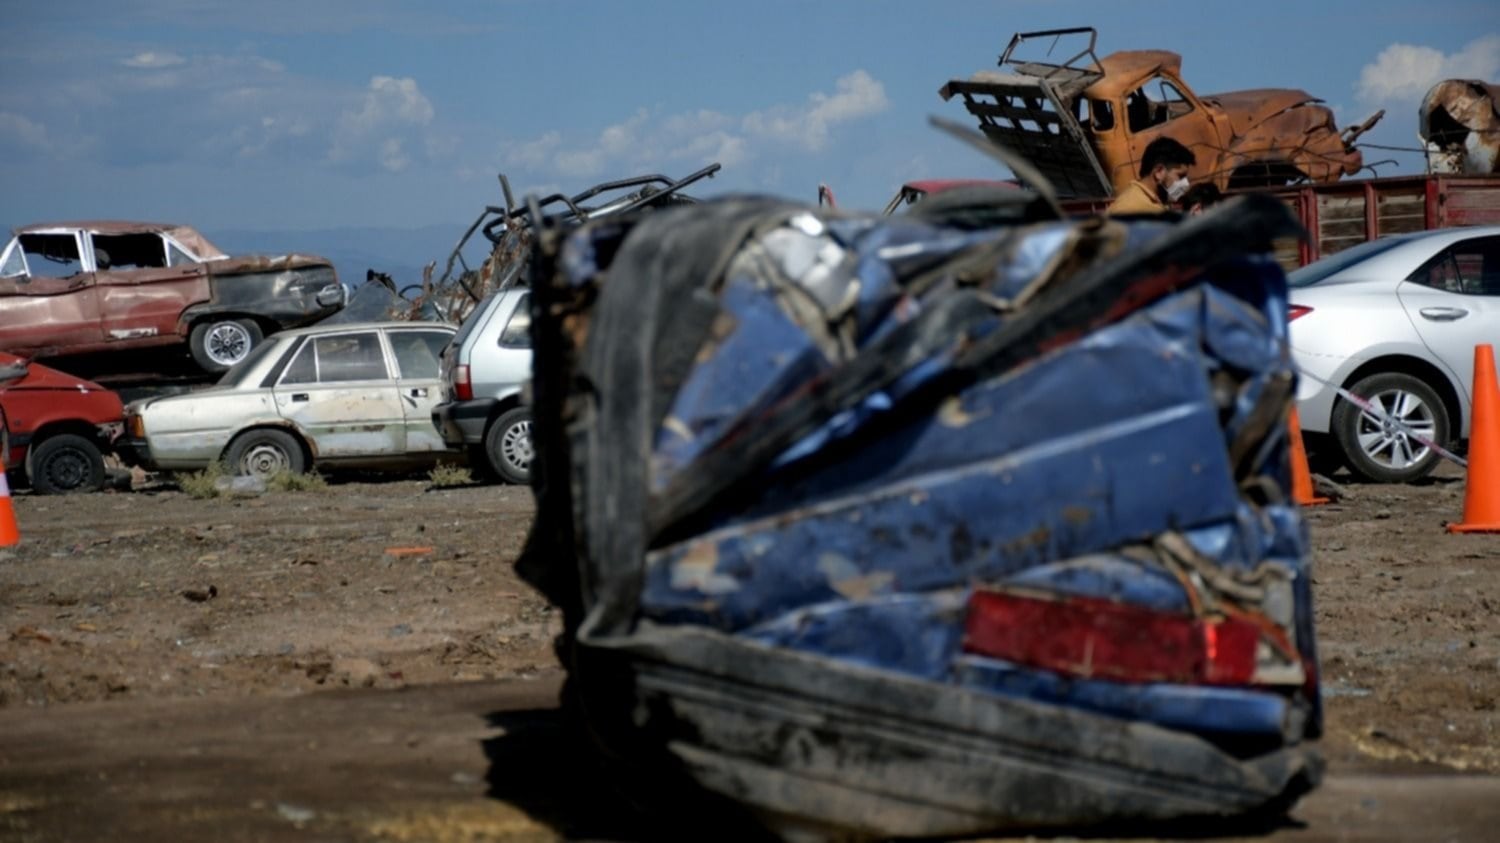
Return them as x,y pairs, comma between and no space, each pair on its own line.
1085,121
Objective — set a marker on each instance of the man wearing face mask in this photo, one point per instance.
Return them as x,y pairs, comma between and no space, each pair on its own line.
1163,179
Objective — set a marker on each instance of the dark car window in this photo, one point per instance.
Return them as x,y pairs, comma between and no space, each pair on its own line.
1471,267
51,255
417,352
517,333
129,251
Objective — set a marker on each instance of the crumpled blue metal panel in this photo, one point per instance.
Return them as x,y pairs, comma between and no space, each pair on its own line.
1106,442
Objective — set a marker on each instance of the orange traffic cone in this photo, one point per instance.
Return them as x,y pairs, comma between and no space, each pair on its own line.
9,534
1303,493
1482,489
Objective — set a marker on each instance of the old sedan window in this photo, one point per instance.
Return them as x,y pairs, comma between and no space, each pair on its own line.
350,357
14,264
178,256
417,352
129,251
51,255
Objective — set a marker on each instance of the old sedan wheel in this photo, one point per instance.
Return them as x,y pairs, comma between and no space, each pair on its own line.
66,463
218,344
1378,444
507,444
265,453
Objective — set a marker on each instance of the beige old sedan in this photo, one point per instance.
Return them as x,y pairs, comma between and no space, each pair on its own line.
340,396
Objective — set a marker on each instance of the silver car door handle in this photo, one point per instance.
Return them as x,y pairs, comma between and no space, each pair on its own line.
419,392
299,396
1443,314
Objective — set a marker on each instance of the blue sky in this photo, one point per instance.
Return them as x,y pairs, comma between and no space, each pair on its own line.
282,115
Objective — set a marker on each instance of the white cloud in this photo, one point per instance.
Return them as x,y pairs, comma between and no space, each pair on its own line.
392,112
390,101
151,60
22,130
1405,72
534,153
647,140
856,95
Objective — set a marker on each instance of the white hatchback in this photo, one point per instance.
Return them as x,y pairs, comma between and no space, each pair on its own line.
1394,322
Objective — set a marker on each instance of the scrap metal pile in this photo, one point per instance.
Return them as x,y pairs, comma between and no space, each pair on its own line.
927,525
452,296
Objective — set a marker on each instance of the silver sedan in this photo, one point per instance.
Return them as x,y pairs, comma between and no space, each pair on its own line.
1394,323
356,396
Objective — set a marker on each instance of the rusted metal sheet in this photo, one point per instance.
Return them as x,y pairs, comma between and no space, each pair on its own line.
1459,123
1089,120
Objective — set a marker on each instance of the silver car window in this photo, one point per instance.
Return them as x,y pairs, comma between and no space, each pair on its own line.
304,368
417,352
1470,267
517,333
350,357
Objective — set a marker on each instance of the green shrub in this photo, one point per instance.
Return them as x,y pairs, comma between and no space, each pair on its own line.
202,484
287,481
447,476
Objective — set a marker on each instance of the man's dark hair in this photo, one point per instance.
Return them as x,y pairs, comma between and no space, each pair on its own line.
1203,193
1166,152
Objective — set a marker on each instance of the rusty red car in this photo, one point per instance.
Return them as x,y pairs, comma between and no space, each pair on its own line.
57,427
95,287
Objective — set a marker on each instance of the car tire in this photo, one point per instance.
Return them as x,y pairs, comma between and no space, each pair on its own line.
1380,453
66,463
218,344
507,446
263,453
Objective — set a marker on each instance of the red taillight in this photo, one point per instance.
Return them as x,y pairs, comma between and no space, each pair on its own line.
463,389
1094,638
1297,311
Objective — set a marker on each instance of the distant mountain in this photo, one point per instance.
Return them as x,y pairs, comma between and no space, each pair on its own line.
399,252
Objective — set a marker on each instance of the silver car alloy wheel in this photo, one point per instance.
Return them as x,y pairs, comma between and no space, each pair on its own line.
264,460
515,445
1383,434
227,343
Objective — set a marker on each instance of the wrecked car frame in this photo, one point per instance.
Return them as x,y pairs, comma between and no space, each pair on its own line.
69,289
1085,122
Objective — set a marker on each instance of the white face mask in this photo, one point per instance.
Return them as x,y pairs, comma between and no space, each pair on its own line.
1177,188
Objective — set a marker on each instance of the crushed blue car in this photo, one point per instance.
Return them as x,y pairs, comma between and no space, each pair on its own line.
934,525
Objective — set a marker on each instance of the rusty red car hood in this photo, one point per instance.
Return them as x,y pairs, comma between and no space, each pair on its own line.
1247,109
42,377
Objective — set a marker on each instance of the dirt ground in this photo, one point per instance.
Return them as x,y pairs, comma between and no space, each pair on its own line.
158,655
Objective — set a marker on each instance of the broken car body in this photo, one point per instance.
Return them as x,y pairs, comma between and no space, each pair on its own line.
895,527
68,289
1085,122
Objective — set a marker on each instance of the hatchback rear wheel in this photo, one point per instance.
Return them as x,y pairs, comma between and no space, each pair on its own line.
507,446
1382,443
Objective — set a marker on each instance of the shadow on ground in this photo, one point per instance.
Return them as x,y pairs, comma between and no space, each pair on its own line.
544,765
